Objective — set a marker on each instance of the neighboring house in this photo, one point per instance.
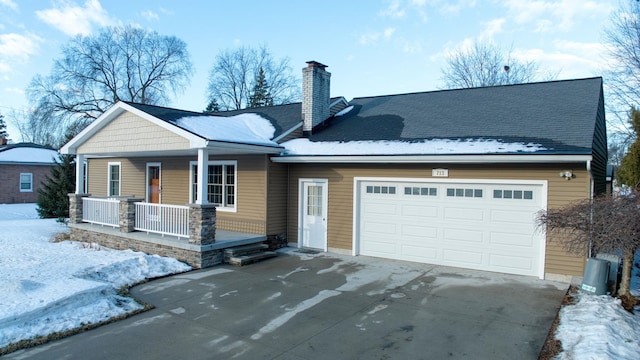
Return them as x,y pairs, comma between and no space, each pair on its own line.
453,177
23,167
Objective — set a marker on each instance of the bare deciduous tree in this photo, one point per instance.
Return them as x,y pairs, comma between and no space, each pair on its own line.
486,64
235,72
119,63
605,224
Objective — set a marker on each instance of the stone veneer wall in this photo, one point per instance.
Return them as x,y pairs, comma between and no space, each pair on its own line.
196,259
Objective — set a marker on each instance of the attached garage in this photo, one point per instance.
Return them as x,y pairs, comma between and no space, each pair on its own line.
477,224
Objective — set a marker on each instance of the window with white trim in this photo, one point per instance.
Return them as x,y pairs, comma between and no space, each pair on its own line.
221,183
423,191
113,176
26,182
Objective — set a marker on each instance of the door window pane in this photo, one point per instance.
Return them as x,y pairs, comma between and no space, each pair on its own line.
314,200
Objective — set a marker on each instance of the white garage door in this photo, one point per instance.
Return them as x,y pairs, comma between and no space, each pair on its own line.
477,225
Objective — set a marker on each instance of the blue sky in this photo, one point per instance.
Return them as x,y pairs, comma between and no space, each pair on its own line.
372,47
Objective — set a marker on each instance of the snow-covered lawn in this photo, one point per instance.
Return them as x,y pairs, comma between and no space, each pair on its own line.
597,327
50,287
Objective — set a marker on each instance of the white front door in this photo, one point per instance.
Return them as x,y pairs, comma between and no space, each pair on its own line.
313,213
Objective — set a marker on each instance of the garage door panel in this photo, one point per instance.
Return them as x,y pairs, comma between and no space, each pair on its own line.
462,257
381,208
484,226
422,211
463,236
419,231
381,228
512,239
459,213
511,263
511,216
419,252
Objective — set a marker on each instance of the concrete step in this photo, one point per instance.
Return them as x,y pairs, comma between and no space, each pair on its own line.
251,258
245,249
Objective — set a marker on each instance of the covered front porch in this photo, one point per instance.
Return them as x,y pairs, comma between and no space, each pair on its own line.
187,233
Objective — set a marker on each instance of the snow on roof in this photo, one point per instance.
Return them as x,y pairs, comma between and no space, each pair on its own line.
26,155
244,128
387,147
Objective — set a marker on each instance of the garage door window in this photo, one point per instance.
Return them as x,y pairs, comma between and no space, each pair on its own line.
462,192
381,190
423,191
513,194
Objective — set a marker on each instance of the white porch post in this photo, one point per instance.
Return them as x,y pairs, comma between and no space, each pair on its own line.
202,175
79,174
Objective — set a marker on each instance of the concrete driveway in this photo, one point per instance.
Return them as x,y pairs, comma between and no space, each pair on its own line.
319,306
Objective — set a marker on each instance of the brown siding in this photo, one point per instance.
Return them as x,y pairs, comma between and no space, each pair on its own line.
129,132
277,198
10,182
340,211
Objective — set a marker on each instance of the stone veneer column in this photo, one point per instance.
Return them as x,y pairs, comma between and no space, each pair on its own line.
127,213
75,207
202,224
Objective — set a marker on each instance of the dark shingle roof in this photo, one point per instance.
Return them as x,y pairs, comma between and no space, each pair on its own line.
559,115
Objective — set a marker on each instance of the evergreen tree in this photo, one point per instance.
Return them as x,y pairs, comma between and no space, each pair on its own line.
3,128
260,96
212,107
53,198
629,171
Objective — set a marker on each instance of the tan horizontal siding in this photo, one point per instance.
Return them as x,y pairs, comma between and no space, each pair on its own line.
340,211
277,198
129,132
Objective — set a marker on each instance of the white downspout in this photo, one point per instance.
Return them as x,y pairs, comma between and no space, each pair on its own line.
79,174
591,195
201,176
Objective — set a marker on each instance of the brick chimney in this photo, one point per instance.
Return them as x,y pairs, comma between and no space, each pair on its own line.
315,95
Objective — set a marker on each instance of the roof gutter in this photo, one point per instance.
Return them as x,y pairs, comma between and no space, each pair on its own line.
433,159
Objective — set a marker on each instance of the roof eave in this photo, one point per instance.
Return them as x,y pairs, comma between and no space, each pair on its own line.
437,159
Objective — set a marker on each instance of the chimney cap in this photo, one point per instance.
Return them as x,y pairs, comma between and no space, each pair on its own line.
313,63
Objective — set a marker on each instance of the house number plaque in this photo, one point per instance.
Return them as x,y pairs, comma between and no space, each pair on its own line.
440,172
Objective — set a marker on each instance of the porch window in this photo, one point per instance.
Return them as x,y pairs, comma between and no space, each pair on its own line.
221,183
26,182
114,179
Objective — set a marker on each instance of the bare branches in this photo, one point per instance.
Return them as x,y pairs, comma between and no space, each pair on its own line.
605,224
486,64
120,63
234,74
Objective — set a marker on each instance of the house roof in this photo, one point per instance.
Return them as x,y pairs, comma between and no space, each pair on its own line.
27,154
557,117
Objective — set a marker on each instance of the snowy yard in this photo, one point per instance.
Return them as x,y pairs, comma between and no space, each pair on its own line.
52,287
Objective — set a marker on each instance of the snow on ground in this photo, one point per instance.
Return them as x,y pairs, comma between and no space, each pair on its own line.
50,287
597,327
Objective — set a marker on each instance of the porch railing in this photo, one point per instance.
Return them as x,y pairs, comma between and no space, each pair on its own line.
162,219
103,211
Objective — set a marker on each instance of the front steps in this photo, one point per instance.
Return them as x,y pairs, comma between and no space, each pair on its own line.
247,254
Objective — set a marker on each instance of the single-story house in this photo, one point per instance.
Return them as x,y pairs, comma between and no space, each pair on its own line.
23,168
451,177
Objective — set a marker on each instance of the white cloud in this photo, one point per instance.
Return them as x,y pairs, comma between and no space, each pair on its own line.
10,4
150,15
4,68
372,38
18,46
491,28
72,19
570,59
394,9
555,15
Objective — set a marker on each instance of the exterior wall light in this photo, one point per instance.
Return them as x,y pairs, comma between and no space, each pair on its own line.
566,174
